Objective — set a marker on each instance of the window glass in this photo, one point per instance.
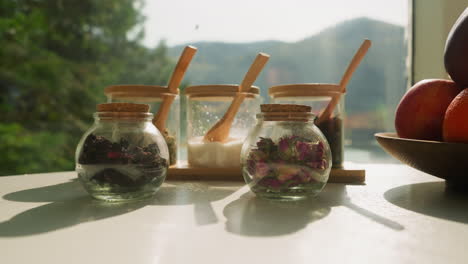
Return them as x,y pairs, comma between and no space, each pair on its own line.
57,56
309,42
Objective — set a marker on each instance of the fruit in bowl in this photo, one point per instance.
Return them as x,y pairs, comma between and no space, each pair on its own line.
455,126
456,51
421,111
431,119
432,111
432,131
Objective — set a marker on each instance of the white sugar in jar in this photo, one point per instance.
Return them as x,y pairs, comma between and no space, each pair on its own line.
214,154
206,105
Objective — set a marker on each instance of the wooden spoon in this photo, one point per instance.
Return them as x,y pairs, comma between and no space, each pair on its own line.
160,119
326,114
220,131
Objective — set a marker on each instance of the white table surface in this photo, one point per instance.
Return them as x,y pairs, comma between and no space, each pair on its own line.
399,216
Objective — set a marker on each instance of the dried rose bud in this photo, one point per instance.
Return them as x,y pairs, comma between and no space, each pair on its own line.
270,182
261,170
113,155
266,145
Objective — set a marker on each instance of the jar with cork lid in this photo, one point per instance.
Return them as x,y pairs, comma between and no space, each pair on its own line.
318,96
122,156
286,156
154,96
206,105
327,100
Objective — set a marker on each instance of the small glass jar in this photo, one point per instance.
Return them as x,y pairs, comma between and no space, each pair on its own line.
206,105
154,96
318,96
286,157
122,156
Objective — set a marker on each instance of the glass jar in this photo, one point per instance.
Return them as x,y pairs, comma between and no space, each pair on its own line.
318,96
286,156
122,156
206,105
154,96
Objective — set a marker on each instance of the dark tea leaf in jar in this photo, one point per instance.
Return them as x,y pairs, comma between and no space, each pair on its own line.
332,129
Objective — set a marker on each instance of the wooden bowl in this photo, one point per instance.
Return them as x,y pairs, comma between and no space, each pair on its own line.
448,161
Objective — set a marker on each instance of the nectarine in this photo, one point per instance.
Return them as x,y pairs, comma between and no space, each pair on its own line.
421,111
455,127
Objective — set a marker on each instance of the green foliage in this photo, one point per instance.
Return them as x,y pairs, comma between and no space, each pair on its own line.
33,151
56,58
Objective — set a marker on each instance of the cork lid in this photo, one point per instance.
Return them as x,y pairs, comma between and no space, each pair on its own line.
137,92
286,112
268,108
305,90
127,111
122,107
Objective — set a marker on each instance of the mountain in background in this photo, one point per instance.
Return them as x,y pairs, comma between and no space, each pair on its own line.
372,94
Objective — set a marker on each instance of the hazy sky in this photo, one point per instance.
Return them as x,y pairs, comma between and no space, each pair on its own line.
186,21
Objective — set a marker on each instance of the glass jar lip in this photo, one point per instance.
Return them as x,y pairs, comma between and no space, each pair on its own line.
127,116
138,91
286,116
219,90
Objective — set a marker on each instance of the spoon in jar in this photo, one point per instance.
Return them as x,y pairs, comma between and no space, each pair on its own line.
220,131
327,113
160,119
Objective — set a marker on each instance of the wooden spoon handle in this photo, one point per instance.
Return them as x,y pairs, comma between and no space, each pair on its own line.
234,107
185,58
253,72
181,67
160,118
354,64
328,111
220,131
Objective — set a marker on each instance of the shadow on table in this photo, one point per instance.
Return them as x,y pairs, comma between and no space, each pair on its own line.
69,205
431,198
52,193
198,194
253,216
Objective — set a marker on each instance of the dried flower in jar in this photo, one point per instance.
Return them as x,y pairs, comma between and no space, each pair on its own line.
292,161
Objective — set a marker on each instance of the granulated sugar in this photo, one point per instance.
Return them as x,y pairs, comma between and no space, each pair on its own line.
214,154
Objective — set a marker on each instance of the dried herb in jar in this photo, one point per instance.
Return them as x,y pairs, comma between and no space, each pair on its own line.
144,164
293,161
171,146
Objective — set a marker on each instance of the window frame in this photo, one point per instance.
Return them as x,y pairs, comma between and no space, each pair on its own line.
430,22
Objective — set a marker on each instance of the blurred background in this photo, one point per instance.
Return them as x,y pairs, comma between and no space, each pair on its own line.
57,56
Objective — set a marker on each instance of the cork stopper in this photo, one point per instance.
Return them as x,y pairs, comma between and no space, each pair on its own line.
286,112
268,108
123,111
122,107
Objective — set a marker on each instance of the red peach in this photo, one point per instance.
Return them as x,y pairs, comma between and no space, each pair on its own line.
421,111
455,127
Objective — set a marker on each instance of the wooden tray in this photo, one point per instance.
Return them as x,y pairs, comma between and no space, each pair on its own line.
351,173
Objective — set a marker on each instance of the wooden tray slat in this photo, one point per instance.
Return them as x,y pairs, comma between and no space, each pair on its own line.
182,172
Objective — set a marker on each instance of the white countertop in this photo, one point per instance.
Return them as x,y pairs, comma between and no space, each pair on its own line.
399,216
